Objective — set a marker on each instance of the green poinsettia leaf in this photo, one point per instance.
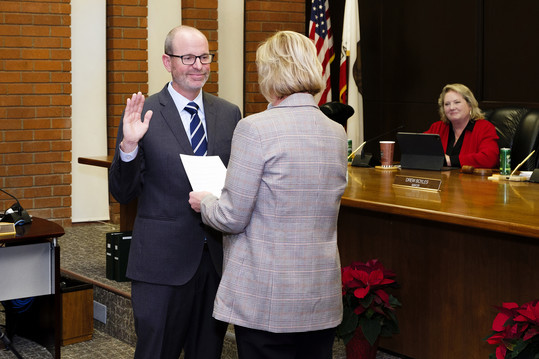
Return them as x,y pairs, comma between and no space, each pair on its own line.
394,301
347,328
371,329
520,345
348,301
366,302
526,349
369,313
392,322
389,328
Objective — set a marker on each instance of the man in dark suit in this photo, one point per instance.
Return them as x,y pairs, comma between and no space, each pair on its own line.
175,261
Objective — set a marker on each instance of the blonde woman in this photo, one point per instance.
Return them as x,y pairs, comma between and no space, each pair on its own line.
468,139
281,284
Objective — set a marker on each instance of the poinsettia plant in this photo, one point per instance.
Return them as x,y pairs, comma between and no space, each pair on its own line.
515,331
367,303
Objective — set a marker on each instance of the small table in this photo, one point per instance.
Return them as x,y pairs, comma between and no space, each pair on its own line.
30,267
128,211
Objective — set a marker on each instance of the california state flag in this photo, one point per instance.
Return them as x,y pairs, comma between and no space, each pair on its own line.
350,65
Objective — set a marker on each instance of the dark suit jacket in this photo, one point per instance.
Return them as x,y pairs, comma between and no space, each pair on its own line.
168,236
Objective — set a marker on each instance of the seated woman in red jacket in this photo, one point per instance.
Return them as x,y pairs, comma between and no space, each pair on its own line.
468,139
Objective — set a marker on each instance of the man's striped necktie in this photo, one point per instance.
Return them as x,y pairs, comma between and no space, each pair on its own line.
198,136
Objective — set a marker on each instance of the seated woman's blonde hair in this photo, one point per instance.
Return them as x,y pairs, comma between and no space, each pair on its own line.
287,63
475,112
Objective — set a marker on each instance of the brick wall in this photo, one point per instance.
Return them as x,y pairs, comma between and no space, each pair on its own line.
35,85
202,14
127,65
35,107
262,19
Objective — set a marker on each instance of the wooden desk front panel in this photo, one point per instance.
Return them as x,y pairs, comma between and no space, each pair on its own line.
450,276
451,269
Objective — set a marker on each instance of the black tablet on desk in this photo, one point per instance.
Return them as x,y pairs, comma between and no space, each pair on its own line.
423,151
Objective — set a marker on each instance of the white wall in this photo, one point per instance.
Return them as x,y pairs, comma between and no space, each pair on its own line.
231,50
163,15
90,199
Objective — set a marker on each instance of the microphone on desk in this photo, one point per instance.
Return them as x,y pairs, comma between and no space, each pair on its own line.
15,214
367,160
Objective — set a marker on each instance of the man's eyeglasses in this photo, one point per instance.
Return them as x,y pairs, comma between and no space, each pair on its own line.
191,59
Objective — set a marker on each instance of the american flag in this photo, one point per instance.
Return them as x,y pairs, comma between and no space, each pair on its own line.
320,33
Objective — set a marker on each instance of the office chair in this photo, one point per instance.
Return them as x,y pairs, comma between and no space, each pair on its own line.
506,121
525,140
337,111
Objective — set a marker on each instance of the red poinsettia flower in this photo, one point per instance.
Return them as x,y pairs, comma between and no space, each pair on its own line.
529,313
515,329
501,350
366,301
382,297
505,313
495,339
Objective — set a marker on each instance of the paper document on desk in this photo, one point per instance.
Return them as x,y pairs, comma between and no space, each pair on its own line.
205,173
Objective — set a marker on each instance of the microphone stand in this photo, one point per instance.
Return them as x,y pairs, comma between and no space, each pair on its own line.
361,160
357,149
8,345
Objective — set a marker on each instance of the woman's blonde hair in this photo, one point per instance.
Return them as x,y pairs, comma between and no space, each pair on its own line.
287,63
465,92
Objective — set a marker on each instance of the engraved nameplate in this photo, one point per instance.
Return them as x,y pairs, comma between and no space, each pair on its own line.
429,184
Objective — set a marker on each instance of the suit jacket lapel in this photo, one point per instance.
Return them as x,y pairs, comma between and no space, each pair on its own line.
172,118
210,113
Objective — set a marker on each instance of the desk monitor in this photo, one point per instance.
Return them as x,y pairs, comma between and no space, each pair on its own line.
422,151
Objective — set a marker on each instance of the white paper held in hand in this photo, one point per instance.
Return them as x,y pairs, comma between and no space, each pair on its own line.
205,173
